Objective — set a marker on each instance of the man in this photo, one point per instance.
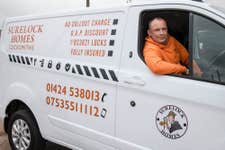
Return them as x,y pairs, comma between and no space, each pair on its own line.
173,125
169,123
163,53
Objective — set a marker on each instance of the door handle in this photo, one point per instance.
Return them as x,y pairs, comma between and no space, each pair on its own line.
134,81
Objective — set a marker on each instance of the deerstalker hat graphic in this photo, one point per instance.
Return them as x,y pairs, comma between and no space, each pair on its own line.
171,113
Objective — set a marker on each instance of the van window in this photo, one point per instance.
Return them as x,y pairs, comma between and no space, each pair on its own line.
209,48
201,36
178,30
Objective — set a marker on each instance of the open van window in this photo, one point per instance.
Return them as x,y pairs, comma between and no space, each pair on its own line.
180,31
201,36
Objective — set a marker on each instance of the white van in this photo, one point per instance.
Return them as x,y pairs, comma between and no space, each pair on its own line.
79,79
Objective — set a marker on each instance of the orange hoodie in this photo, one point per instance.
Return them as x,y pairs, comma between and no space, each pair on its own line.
165,59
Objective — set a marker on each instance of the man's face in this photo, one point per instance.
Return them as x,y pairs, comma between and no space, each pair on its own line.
171,119
158,31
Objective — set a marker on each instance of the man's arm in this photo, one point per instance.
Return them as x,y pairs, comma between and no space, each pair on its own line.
185,59
159,66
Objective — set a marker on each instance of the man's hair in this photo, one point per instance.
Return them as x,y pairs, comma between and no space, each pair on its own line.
156,18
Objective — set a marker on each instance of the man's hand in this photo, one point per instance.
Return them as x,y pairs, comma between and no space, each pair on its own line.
187,72
196,69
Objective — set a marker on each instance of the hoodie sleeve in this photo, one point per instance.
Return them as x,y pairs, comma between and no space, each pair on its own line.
156,63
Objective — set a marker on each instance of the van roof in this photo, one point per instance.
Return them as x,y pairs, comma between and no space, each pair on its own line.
116,7
135,2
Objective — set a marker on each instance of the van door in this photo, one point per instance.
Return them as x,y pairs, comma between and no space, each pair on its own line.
73,61
165,111
86,115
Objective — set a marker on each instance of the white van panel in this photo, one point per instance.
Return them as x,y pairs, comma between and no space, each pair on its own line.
145,99
68,72
93,37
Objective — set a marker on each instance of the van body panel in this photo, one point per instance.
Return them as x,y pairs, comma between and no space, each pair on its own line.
155,96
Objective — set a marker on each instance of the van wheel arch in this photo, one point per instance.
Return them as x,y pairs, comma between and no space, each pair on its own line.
13,107
18,111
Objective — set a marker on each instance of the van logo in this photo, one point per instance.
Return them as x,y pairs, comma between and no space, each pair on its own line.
58,66
171,122
50,64
42,62
67,67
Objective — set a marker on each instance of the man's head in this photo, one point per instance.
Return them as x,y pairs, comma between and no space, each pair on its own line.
158,30
171,117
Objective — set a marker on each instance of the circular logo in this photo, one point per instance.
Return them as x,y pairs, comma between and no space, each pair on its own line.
171,122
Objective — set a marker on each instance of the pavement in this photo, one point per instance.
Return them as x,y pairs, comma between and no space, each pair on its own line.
4,144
